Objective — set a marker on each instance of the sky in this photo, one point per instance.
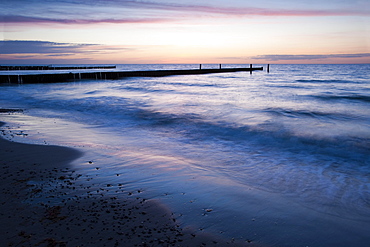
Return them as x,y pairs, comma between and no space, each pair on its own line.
186,31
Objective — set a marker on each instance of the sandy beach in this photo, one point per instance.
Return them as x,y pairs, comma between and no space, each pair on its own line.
40,206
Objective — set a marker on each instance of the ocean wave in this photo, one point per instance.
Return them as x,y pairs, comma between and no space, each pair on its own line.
118,110
269,134
163,87
311,114
272,158
287,86
191,84
144,89
154,119
351,97
326,81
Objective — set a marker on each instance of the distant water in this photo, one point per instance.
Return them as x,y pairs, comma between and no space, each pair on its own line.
281,158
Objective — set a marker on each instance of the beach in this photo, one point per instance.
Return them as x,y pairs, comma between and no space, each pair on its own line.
69,219
262,159
185,123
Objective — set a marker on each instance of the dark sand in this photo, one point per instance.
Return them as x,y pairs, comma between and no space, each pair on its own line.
39,206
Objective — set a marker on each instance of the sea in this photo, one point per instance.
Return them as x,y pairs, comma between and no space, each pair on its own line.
272,159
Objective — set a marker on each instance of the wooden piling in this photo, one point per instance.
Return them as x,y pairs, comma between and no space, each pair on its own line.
111,75
49,67
268,68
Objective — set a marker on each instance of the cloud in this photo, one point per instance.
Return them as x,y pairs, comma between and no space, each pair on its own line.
69,12
309,57
253,11
45,52
46,20
20,48
223,10
39,47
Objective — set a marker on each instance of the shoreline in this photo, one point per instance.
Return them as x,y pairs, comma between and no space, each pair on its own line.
264,177
40,207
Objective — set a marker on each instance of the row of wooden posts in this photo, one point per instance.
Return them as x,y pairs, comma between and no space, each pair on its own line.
49,67
251,65
64,77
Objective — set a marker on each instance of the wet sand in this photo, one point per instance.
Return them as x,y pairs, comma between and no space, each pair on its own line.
41,206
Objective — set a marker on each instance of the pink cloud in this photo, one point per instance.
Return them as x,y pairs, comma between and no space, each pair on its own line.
249,11
30,20
22,47
154,12
235,11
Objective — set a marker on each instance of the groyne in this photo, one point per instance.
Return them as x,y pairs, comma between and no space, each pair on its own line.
49,67
111,75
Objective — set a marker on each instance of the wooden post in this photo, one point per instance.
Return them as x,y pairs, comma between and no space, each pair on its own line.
220,66
200,66
250,69
268,68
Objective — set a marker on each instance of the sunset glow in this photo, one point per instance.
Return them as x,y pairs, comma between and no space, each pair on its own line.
165,31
